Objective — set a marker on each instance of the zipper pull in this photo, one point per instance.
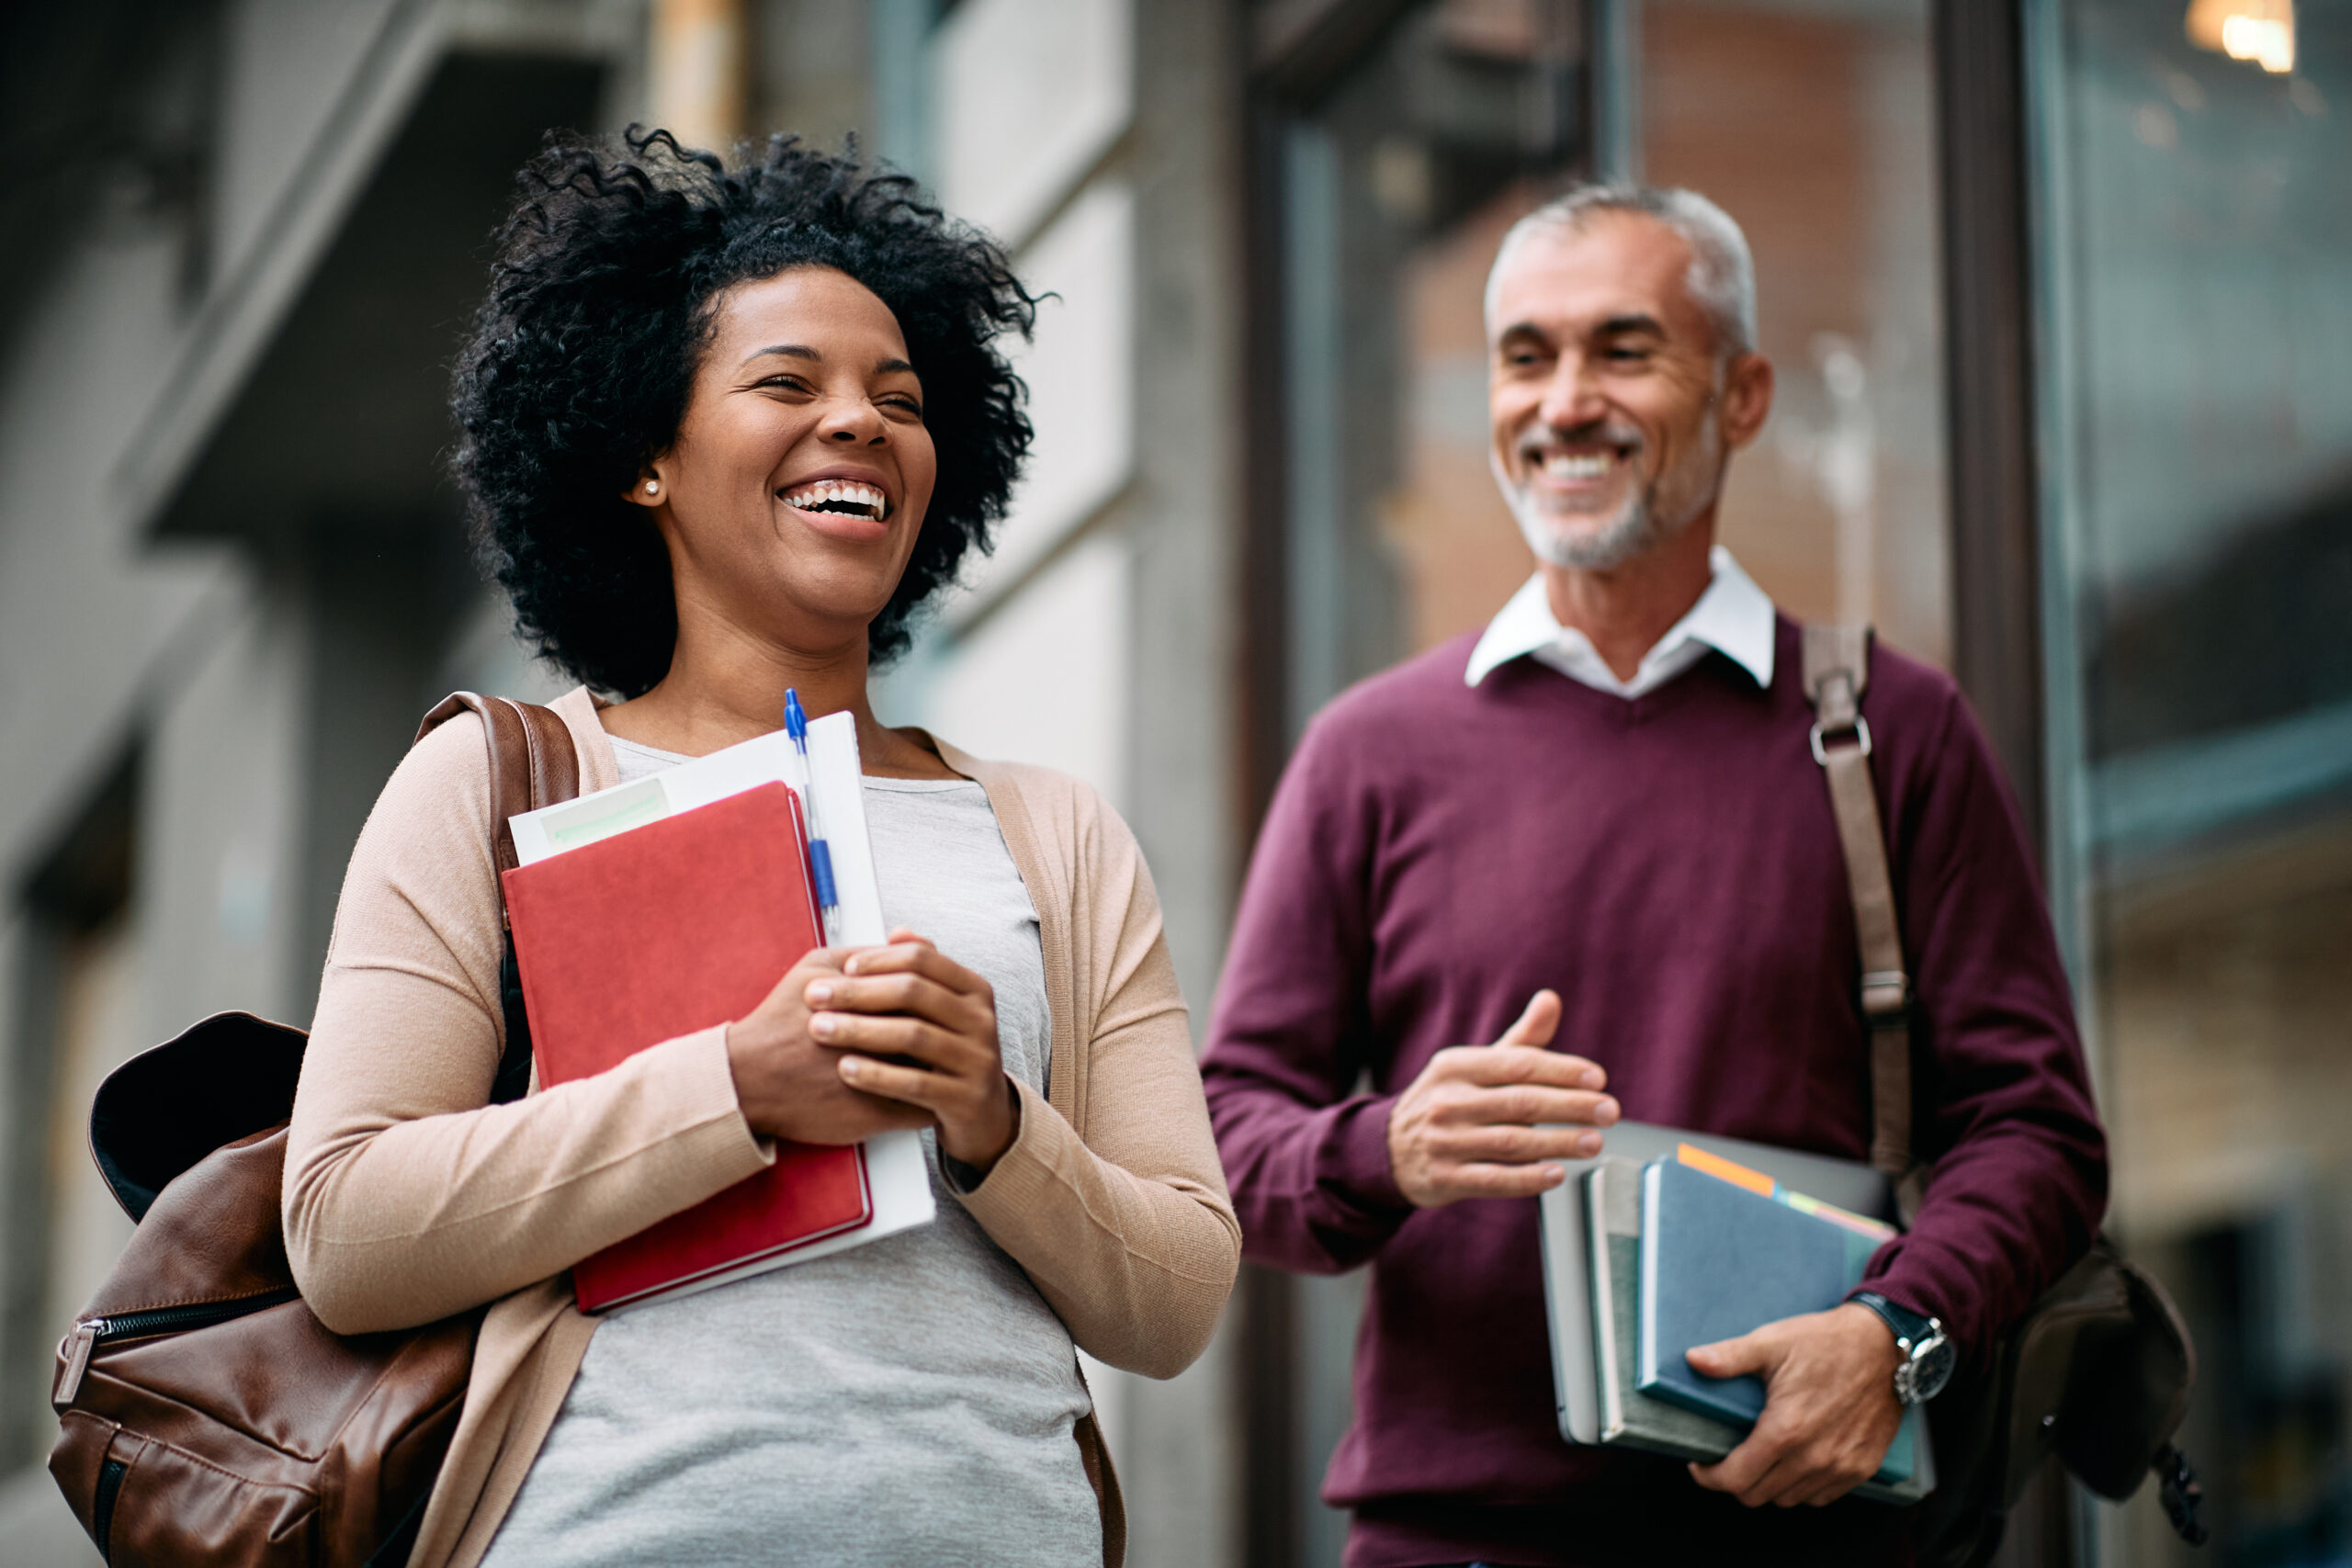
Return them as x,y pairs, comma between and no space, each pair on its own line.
74,1352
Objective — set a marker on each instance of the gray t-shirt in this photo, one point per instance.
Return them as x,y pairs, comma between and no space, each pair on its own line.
909,1401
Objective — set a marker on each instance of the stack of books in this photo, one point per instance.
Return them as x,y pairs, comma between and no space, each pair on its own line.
673,904
1694,1248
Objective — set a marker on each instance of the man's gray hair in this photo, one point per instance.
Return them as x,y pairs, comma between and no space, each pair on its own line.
1722,272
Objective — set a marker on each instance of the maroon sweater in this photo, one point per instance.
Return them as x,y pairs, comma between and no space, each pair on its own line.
1669,865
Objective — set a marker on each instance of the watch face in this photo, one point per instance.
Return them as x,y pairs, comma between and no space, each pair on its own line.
1931,1368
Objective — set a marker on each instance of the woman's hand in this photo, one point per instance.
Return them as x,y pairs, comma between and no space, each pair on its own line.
789,1088
916,1027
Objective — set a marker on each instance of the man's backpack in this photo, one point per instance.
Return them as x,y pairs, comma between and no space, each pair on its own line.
2098,1371
207,1416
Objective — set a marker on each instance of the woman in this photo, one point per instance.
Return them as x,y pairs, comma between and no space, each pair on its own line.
725,431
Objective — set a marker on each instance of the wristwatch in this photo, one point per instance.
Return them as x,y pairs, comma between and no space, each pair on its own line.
1928,1355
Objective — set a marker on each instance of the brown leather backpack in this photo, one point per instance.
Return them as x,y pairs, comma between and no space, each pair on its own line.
207,1417
2098,1371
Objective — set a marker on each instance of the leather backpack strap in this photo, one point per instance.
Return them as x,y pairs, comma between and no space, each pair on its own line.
532,764
1837,669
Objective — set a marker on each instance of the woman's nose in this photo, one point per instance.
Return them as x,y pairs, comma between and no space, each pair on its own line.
856,423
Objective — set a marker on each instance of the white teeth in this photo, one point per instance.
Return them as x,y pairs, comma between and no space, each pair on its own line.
1579,465
841,495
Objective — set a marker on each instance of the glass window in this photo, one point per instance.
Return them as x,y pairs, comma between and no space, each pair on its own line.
2197,261
1396,184
1814,126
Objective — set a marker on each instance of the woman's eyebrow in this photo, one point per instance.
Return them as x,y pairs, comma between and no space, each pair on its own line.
802,351
791,350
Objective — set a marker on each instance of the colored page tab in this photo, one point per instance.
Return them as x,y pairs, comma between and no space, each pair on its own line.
1738,1175
1876,1230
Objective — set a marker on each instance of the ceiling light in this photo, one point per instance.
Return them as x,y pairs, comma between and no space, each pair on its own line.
2262,31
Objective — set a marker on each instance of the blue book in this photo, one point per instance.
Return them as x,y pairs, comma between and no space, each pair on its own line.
1718,1261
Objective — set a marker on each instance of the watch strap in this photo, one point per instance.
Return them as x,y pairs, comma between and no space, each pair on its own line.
1910,1329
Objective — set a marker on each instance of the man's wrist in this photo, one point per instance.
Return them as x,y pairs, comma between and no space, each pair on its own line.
1927,1354
1364,1156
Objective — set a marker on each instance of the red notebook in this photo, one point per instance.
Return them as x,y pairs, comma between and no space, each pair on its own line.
656,932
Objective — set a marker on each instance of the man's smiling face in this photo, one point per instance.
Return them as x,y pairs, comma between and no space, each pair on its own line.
1610,414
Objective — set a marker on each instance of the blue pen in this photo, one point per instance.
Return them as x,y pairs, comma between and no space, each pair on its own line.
821,856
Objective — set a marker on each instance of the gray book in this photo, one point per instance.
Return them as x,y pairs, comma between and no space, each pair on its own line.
1630,1418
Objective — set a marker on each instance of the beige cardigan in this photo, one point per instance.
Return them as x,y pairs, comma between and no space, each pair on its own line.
408,1199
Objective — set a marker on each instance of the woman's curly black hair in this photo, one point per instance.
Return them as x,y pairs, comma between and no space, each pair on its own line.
603,297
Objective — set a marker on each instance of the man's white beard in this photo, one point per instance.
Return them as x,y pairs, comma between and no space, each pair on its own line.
1647,518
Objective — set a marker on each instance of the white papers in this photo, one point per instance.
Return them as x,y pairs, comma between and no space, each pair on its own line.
896,1173
837,780
834,780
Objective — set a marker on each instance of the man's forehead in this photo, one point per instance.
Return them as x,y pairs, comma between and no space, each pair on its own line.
1560,279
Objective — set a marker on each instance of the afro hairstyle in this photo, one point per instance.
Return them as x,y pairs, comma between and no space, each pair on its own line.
607,279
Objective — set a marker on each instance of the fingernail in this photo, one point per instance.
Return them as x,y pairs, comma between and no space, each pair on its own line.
1589,1144
851,1067
1554,1176
849,965
1593,1077
821,1026
1605,1112
820,994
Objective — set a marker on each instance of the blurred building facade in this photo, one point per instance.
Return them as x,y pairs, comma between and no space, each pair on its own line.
2061,297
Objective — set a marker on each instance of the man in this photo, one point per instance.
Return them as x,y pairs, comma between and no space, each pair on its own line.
1596,836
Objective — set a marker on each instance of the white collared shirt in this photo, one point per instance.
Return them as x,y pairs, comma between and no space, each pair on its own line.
1733,616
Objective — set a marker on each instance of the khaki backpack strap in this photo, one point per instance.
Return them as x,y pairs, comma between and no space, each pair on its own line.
1836,667
532,759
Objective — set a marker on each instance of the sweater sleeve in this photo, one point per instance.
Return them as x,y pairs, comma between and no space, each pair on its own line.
1307,1155
2003,1111
1127,1233
407,1197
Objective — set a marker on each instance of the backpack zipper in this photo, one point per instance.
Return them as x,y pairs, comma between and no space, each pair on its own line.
110,1474
92,1332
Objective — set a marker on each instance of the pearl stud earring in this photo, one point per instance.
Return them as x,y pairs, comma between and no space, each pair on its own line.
653,487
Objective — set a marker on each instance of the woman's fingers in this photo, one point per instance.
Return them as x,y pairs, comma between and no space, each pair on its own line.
909,978
940,1049
791,987
915,955
934,1092
977,1116
901,993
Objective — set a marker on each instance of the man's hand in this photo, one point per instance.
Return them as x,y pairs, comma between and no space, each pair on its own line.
1830,1411
1470,1126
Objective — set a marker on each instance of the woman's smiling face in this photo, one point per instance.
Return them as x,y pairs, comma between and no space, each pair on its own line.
792,497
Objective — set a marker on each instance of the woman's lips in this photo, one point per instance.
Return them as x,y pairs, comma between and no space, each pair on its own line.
842,526
838,497
847,509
